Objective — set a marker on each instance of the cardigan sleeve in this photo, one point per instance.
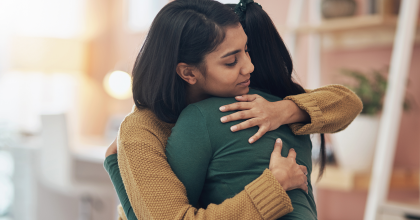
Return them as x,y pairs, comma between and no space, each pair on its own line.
155,192
331,109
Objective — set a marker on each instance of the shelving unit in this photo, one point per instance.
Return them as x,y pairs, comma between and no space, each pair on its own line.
338,179
385,16
355,32
349,23
360,32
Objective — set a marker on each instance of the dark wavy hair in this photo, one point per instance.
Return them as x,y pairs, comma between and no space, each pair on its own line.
183,31
273,64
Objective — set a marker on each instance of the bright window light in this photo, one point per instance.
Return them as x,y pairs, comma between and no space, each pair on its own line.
142,12
28,94
43,18
118,84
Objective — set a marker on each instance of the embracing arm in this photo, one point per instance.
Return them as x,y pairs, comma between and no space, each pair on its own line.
155,192
331,109
111,166
190,152
324,110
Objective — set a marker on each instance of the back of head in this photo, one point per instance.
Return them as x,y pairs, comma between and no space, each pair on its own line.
273,65
183,31
272,61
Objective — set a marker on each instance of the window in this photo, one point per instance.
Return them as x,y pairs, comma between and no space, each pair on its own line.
29,94
42,18
142,12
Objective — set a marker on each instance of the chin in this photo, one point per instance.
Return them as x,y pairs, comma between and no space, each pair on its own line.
234,93
243,91
246,91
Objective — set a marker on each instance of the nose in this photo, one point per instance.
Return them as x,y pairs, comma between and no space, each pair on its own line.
248,67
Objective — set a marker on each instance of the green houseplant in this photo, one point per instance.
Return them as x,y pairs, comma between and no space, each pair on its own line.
370,91
354,147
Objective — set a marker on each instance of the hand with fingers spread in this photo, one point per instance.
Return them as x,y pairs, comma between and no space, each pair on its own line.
266,115
287,172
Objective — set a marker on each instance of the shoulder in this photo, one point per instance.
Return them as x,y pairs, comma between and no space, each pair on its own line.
191,116
142,122
268,97
204,112
213,103
140,118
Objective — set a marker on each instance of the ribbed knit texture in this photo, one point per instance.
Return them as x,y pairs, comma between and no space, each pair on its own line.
265,201
331,108
155,192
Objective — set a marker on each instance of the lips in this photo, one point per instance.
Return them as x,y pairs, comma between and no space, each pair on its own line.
245,83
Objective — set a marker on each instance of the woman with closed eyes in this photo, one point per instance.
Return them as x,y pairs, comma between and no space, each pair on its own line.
195,60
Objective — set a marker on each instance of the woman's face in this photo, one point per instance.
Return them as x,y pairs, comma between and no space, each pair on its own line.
228,68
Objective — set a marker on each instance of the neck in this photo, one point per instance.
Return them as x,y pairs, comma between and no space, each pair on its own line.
195,94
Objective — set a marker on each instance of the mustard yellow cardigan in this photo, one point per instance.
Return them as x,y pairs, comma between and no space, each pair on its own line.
155,192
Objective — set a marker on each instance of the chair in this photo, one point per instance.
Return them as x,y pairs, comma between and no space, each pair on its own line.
56,173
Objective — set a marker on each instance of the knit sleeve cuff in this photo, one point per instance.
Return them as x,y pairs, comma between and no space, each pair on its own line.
269,197
309,104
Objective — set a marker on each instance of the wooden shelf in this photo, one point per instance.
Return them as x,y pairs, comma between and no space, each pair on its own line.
396,211
348,23
355,32
339,179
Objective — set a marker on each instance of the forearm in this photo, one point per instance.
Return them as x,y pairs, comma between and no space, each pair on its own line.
331,108
294,113
263,198
153,197
111,166
156,193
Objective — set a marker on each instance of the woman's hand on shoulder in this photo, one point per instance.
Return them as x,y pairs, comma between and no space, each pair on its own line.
112,149
266,115
287,172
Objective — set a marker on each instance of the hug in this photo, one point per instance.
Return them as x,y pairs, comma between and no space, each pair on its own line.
220,129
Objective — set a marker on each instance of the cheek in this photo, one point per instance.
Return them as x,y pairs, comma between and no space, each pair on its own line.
223,84
225,77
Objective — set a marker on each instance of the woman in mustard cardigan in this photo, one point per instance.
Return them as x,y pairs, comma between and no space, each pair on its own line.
153,189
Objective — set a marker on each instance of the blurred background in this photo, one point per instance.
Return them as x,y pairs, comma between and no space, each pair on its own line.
65,70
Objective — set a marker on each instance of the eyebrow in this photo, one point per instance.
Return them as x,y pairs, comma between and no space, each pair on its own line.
231,53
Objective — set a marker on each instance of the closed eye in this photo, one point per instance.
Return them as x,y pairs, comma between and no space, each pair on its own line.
232,64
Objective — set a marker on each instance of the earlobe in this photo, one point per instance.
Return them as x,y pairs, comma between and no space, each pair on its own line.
186,72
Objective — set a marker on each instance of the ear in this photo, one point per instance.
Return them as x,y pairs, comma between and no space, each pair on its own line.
187,73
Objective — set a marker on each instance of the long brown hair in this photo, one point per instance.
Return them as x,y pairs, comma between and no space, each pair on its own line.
183,31
273,64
